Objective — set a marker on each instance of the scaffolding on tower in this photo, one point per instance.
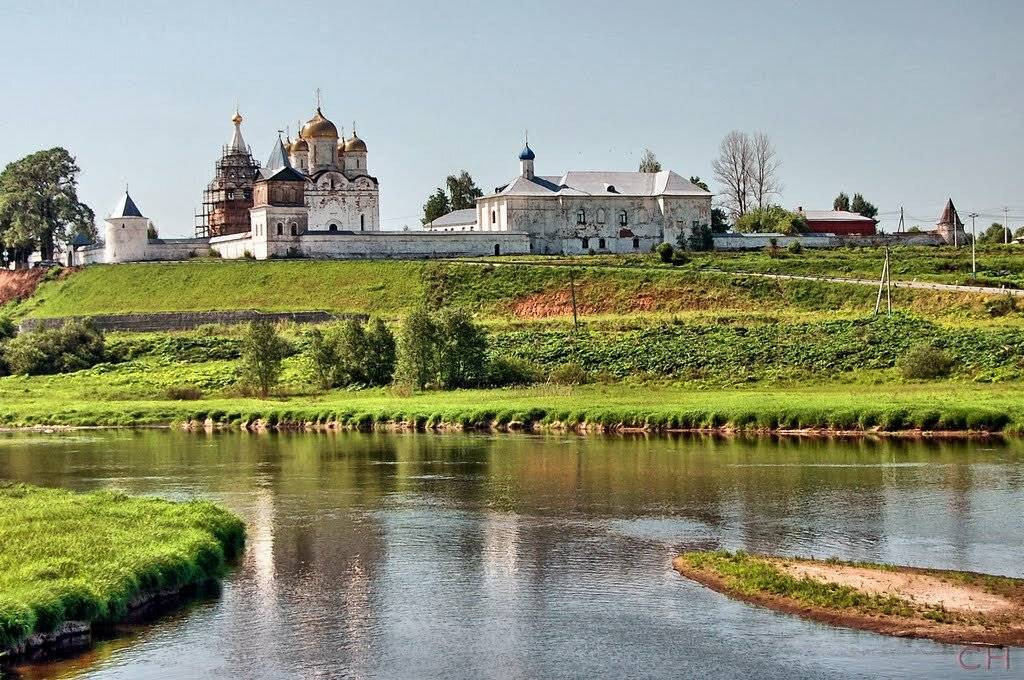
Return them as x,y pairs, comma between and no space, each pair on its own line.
228,196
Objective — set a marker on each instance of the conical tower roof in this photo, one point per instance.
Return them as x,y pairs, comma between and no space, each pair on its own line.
126,207
949,215
237,144
278,167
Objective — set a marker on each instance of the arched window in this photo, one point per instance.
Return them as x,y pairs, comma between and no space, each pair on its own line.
295,229
623,220
600,243
362,222
581,216
497,249
585,241
333,227
280,229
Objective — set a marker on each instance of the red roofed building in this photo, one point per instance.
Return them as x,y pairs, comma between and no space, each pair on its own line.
839,222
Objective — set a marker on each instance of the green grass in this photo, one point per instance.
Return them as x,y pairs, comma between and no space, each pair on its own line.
635,287
750,575
83,557
936,406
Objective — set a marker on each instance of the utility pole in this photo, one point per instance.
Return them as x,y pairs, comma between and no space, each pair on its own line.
900,229
1006,226
974,248
884,284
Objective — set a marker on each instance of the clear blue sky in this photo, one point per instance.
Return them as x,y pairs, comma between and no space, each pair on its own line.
906,102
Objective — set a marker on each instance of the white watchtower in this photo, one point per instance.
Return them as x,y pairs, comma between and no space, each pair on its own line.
126,233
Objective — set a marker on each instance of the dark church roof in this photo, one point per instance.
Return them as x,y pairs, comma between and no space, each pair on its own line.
278,168
948,215
126,208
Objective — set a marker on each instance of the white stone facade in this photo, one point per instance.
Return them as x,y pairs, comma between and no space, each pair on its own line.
325,245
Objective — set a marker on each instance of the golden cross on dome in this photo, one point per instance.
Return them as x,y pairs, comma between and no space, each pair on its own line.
318,97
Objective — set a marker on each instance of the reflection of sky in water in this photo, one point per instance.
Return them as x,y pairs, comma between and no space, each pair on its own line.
520,557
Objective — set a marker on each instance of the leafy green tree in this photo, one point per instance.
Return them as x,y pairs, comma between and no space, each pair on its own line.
416,349
700,239
322,359
461,351
436,206
862,207
462,191
841,202
772,219
352,350
994,234
649,162
719,221
1019,232
39,204
379,365
699,182
263,351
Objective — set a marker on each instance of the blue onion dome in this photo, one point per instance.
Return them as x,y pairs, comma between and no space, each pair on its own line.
526,154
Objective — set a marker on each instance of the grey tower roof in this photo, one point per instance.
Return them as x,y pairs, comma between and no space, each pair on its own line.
278,167
126,207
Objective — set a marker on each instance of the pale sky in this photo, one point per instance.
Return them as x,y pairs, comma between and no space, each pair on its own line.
906,102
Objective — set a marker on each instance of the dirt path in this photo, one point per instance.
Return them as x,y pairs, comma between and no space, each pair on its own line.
918,588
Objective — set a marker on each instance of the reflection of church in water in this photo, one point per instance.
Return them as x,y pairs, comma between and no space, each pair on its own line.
339,196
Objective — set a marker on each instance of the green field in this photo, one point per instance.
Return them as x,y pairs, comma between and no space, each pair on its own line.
84,557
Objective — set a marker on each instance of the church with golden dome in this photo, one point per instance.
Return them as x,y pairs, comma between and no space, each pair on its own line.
340,195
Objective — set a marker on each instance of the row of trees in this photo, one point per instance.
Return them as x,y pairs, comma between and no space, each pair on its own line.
460,193
39,206
443,350
858,205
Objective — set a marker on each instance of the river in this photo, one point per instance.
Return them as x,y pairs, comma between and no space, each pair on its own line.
536,556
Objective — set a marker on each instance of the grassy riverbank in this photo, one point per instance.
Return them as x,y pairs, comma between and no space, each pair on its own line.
948,606
86,557
940,406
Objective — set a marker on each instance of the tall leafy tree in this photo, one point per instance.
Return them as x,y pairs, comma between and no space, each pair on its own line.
841,202
719,221
649,162
862,207
436,206
462,191
263,350
39,205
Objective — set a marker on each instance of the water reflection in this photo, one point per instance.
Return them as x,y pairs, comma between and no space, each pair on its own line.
380,555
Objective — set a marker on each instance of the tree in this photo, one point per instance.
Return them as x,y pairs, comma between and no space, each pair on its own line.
764,168
719,221
151,231
862,207
994,234
322,358
649,162
462,191
462,350
352,351
436,206
416,345
733,169
841,202
380,354
39,204
263,350
694,179
772,219
701,239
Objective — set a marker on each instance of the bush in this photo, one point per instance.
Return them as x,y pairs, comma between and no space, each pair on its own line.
924,362
795,248
263,350
508,371
183,393
447,350
322,359
772,218
679,258
665,252
76,346
351,354
701,239
568,374
1001,306
379,366
416,345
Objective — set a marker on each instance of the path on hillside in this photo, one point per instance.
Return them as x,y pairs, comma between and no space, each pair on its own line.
918,285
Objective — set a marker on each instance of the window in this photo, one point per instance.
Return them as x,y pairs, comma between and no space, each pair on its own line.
497,249
600,243
295,229
636,243
494,216
280,229
333,227
586,242
362,222
581,216
623,219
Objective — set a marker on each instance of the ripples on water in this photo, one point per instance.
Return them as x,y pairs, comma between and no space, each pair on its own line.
437,556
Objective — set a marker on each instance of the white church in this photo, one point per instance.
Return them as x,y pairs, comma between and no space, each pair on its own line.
315,198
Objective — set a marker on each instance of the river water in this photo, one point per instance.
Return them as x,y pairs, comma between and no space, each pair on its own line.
522,556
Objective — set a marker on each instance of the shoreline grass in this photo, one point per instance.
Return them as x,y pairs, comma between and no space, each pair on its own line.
938,407
68,556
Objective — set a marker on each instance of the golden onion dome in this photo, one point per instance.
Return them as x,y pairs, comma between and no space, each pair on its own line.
237,118
318,127
299,146
353,143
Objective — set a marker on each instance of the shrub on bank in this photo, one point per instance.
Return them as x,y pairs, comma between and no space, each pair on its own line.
75,346
924,362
